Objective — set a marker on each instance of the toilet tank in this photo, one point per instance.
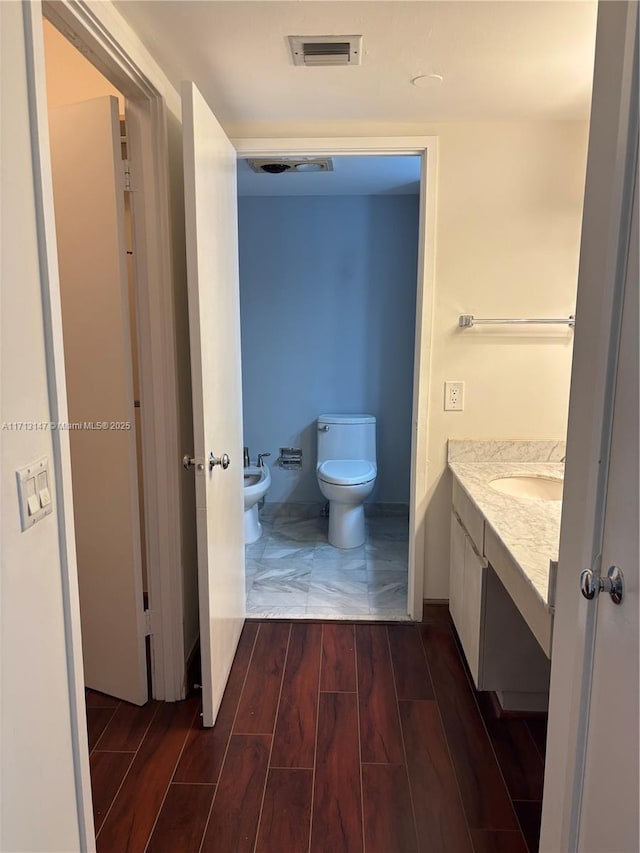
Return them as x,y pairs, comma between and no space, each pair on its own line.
346,437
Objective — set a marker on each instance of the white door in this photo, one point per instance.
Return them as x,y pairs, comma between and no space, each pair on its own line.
88,185
214,320
611,794
591,775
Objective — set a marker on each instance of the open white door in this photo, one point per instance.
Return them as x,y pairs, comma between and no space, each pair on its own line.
591,791
88,184
612,747
214,320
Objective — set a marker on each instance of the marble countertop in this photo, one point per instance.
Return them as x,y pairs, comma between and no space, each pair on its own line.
529,529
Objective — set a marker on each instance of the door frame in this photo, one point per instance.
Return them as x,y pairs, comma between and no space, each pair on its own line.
147,139
425,147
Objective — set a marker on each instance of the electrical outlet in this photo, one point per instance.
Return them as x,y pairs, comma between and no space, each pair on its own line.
453,396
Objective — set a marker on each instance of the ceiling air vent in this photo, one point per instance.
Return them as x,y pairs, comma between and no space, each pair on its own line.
326,50
270,166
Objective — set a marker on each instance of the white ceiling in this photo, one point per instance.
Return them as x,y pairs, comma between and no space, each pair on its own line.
350,176
500,60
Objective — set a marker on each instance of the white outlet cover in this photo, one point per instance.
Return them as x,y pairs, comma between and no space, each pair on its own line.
453,396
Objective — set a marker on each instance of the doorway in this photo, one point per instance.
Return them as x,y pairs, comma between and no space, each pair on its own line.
95,68
425,148
328,271
94,234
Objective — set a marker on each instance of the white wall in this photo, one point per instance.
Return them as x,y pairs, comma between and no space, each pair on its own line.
37,795
509,207
508,236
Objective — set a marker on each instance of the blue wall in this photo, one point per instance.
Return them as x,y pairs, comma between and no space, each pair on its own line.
327,292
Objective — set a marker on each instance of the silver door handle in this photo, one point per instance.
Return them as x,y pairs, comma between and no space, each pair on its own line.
323,428
592,585
223,461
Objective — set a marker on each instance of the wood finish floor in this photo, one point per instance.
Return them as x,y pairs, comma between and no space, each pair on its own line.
331,738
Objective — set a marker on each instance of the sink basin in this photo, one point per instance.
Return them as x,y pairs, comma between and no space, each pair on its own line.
532,488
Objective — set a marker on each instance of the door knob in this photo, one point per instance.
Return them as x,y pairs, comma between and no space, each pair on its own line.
223,461
592,585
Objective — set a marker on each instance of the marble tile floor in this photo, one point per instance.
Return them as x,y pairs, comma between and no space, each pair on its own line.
292,571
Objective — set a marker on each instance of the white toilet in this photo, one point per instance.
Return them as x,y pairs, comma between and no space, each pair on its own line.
346,473
257,479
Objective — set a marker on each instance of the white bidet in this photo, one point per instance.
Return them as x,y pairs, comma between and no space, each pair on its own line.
257,480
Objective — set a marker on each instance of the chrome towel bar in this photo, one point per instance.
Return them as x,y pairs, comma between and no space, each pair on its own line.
465,321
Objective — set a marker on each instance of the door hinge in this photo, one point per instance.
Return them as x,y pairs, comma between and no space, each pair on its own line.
127,176
150,623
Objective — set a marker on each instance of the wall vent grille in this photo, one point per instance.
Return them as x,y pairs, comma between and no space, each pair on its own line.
326,50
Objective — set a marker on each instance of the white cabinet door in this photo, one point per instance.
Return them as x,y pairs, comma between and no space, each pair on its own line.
88,185
456,574
214,319
467,574
473,608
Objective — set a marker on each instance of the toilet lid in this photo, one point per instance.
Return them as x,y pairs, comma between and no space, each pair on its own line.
346,472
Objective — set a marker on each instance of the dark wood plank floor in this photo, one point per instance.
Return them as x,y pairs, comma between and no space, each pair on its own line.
331,738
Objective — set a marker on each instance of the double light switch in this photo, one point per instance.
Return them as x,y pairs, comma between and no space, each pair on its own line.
33,493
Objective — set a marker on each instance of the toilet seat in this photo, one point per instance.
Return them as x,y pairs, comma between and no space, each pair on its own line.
346,472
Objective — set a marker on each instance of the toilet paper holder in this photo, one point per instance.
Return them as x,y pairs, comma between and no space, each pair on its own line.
291,458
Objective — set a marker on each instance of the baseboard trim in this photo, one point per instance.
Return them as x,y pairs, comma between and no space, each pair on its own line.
514,713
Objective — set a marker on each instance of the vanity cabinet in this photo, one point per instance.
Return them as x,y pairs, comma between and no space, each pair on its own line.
502,653
467,595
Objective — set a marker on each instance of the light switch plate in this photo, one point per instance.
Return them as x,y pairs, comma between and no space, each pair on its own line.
34,492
